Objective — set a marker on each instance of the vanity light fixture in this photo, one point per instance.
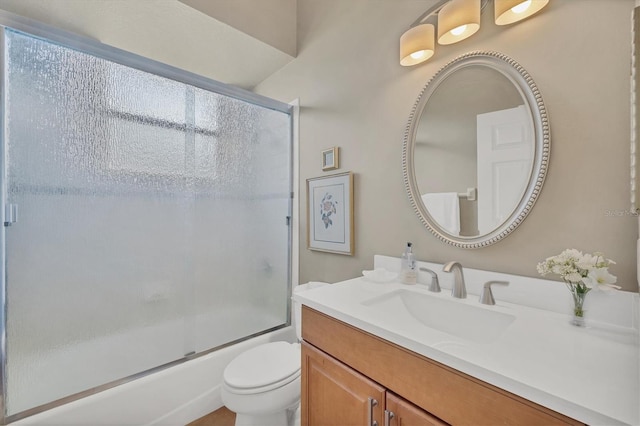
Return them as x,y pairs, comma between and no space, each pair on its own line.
417,44
511,11
456,20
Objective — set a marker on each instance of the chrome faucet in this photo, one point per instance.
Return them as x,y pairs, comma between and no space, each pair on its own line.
435,284
459,290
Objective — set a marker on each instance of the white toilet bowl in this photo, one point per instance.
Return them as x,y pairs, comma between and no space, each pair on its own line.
262,385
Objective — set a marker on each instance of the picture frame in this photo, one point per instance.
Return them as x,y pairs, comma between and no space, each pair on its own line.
331,158
330,214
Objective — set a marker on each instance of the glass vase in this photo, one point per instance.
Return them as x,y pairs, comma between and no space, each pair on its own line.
578,311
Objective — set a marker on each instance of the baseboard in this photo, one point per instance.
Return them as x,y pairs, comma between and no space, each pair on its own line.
192,410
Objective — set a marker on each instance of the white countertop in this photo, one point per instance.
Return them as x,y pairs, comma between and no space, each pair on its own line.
590,374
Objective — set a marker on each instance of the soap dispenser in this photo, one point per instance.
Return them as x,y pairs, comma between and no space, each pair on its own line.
408,273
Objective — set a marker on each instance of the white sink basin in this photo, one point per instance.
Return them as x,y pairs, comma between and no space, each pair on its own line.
454,317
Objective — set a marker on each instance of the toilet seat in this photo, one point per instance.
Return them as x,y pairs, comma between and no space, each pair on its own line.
263,368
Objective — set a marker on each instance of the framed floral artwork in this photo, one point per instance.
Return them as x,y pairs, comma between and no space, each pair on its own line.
330,213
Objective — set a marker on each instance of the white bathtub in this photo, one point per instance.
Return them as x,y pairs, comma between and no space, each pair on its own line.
175,396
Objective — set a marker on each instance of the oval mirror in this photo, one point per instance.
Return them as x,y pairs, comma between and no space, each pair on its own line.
476,149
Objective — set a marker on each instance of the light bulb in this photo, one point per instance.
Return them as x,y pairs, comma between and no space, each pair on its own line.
417,55
459,30
521,7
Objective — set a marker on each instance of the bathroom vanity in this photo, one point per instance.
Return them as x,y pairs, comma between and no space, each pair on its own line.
369,357
353,377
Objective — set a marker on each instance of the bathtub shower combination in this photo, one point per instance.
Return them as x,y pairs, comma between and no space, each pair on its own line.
146,216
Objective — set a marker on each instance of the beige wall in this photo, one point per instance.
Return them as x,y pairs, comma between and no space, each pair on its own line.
167,31
271,21
354,94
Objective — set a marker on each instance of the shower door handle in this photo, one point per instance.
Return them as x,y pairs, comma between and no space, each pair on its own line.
10,214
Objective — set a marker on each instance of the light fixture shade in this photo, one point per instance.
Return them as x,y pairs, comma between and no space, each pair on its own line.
417,45
510,11
458,20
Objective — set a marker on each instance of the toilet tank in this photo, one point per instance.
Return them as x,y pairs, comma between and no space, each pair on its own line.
297,307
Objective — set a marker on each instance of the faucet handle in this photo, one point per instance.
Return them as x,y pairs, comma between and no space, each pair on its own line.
486,298
435,284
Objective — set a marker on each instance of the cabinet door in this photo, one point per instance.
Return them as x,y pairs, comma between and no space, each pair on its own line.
335,395
400,412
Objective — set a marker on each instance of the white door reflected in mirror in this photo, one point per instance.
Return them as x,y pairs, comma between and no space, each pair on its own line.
505,155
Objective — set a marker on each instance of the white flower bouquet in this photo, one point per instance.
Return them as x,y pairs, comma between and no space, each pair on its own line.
581,272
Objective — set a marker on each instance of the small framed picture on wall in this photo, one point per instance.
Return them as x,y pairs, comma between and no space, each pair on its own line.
331,158
330,214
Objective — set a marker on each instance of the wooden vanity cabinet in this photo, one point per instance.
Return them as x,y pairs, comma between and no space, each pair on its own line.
404,413
343,367
336,395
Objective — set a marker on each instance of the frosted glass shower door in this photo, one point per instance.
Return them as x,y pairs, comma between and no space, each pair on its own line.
243,194
95,263
152,220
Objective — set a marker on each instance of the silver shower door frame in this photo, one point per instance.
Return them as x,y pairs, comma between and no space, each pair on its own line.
95,48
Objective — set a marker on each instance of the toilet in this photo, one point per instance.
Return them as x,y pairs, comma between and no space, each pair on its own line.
262,384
